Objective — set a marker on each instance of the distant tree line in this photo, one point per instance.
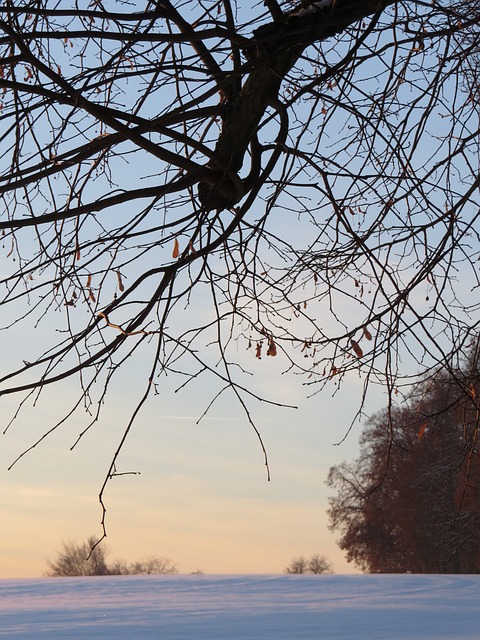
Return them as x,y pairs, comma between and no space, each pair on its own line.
90,559
411,501
316,564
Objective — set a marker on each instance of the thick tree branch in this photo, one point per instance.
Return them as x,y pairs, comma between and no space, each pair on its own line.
273,51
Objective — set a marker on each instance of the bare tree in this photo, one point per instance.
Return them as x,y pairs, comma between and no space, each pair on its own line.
86,559
90,559
319,565
297,565
316,564
409,502
306,171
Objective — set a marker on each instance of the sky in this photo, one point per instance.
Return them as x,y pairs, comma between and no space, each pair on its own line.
195,493
198,493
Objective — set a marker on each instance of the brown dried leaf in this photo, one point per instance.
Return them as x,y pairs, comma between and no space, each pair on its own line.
272,348
421,431
356,348
176,249
367,333
120,281
258,350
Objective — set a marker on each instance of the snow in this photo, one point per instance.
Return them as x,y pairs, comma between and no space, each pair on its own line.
198,607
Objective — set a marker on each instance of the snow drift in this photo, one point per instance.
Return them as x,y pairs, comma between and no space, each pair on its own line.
201,607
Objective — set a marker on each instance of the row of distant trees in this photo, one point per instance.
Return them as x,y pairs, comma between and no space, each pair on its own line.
316,564
90,559
410,501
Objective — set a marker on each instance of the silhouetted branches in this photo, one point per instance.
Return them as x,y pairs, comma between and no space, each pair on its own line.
307,172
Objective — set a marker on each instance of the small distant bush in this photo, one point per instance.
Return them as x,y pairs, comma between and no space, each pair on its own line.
148,566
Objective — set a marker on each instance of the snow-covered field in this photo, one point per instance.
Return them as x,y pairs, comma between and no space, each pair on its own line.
198,607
